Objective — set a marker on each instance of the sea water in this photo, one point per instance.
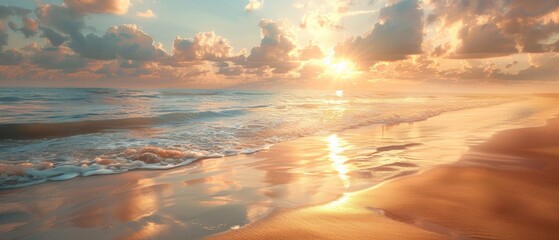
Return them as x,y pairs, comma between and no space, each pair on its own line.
59,134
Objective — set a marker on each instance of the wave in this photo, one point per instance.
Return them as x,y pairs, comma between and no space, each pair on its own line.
396,147
136,96
308,105
11,99
101,91
26,174
260,106
253,93
28,131
158,157
191,93
258,127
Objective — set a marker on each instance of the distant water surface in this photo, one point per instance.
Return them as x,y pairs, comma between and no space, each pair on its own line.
59,134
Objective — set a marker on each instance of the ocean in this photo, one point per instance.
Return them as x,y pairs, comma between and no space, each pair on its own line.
59,134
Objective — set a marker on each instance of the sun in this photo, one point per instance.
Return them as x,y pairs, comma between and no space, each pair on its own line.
339,93
339,68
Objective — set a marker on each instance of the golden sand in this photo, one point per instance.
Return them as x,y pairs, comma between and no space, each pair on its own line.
471,199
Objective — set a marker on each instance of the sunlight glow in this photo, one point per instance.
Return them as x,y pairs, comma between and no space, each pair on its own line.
334,144
339,93
339,68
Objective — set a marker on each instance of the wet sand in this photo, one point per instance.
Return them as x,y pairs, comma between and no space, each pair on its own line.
506,188
215,195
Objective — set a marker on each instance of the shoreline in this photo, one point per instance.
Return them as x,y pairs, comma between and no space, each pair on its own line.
248,189
494,198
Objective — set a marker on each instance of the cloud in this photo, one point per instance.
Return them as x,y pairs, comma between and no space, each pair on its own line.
276,48
311,52
8,11
127,42
3,36
118,7
398,33
204,46
62,19
485,40
61,58
461,39
311,69
146,14
29,28
504,26
11,57
544,67
316,19
254,5
451,11
230,70
326,15
55,39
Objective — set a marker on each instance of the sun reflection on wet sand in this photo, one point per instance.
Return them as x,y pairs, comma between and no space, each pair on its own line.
149,230
338,160
193,199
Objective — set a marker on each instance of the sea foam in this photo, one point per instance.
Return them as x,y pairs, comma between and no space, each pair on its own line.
115,131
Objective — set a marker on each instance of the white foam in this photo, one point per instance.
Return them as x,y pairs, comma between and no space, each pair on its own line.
63,177
99,172
247,134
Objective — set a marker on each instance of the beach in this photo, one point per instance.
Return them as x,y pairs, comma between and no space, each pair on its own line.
256,119
429,179
505,188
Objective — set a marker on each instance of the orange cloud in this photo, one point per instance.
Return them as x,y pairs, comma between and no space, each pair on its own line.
254,5
99,6
146,14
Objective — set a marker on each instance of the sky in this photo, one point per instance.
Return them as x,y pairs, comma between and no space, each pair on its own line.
383,44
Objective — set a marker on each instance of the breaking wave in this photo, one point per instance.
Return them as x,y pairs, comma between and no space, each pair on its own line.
176,129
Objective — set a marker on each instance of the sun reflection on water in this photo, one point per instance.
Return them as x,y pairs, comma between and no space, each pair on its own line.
338,160
339,93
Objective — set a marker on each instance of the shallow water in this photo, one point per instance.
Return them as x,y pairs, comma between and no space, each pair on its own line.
214,195
58,134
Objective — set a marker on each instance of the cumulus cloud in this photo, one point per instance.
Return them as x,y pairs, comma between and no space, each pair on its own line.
127,42
11,57
228,70
61,58
61,19
451,11
29,25
7,11
458,33
310,52
276,48
55,39
315,19
327,15
14,57
99,6
3,36
146,14
311,69
29,28
254,5
204,46
485,40
398,33
504,26
544,67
